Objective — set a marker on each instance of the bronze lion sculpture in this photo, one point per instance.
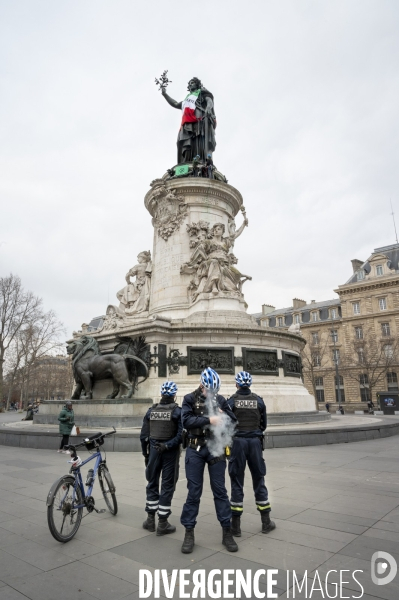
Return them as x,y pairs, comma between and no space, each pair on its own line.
89,365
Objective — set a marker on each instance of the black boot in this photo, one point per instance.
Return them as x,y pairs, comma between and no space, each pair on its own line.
236,525
149,524
188,544
267,524
228,540
164,527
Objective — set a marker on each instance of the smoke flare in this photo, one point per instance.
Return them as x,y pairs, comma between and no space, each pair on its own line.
222,434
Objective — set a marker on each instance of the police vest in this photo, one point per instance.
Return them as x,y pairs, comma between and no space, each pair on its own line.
247,412
162,426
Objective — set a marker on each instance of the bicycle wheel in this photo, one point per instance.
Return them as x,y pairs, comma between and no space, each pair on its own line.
108,489
63,519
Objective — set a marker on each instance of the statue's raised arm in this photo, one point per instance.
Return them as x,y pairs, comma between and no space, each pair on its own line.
233,233
196,135
170,100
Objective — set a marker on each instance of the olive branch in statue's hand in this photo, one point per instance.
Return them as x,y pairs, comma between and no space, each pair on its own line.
163,81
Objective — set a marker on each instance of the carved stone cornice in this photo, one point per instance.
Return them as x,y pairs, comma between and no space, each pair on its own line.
366,286
197,191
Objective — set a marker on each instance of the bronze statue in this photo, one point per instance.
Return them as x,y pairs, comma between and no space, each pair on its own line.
89,365
197,131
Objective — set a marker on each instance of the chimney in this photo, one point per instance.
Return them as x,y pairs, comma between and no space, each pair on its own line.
267,308
297,303
356,264
312,301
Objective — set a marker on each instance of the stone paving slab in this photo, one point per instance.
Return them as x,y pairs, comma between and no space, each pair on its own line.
334,507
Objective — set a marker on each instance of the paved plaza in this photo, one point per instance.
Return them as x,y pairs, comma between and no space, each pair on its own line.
334,506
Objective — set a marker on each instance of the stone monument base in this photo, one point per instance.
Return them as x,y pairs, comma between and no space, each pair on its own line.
103,413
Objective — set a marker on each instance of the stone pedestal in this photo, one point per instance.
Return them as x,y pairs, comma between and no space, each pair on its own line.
103,413
198,200
197,312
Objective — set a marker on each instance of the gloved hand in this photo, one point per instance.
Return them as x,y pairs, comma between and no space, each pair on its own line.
160,447
146,459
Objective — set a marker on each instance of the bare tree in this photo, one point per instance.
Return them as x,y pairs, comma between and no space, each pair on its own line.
40,339
368,358
315,357
12,365
17,309
26,333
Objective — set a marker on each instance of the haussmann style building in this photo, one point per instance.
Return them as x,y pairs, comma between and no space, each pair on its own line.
352,340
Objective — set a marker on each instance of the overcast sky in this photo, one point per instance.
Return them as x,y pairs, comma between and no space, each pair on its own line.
306,97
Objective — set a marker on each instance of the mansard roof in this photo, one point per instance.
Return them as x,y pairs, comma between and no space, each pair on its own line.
311,306
390,253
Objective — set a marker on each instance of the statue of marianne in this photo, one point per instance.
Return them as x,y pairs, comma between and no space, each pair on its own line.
197,131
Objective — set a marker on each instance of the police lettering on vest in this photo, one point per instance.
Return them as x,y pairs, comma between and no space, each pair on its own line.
247,412
162,427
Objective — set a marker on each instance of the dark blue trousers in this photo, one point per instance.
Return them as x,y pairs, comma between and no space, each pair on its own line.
247,451
158,464
195,465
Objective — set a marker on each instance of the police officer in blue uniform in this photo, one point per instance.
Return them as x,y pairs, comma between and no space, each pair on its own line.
160,441
250,411
201,413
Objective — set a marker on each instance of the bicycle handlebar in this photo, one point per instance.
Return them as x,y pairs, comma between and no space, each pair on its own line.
101,435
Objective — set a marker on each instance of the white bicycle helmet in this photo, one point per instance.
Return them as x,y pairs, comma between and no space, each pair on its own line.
210,380
244,379
169,388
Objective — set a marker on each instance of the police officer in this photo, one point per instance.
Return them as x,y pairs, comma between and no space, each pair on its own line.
250,411
160,441
201,410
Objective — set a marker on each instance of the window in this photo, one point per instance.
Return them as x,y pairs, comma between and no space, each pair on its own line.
379,270
341,389
280,321
360,356
314,316
316,360
356,308
315,338
360,275
364,387
297,319
382,303
392,381
319,385
388,351
335,356
333,313
385,329
359,333
334,335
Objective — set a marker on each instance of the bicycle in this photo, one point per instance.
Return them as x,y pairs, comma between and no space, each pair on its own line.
67,497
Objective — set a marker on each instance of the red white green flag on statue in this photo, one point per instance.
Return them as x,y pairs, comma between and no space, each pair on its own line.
188,107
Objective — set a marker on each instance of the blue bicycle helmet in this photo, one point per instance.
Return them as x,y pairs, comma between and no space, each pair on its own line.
210,379
244,379
169,388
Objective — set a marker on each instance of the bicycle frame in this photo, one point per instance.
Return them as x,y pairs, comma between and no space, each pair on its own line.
79,481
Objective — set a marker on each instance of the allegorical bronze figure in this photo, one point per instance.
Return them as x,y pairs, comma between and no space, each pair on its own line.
197,131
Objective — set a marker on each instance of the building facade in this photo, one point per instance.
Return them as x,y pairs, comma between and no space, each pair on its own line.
352,341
